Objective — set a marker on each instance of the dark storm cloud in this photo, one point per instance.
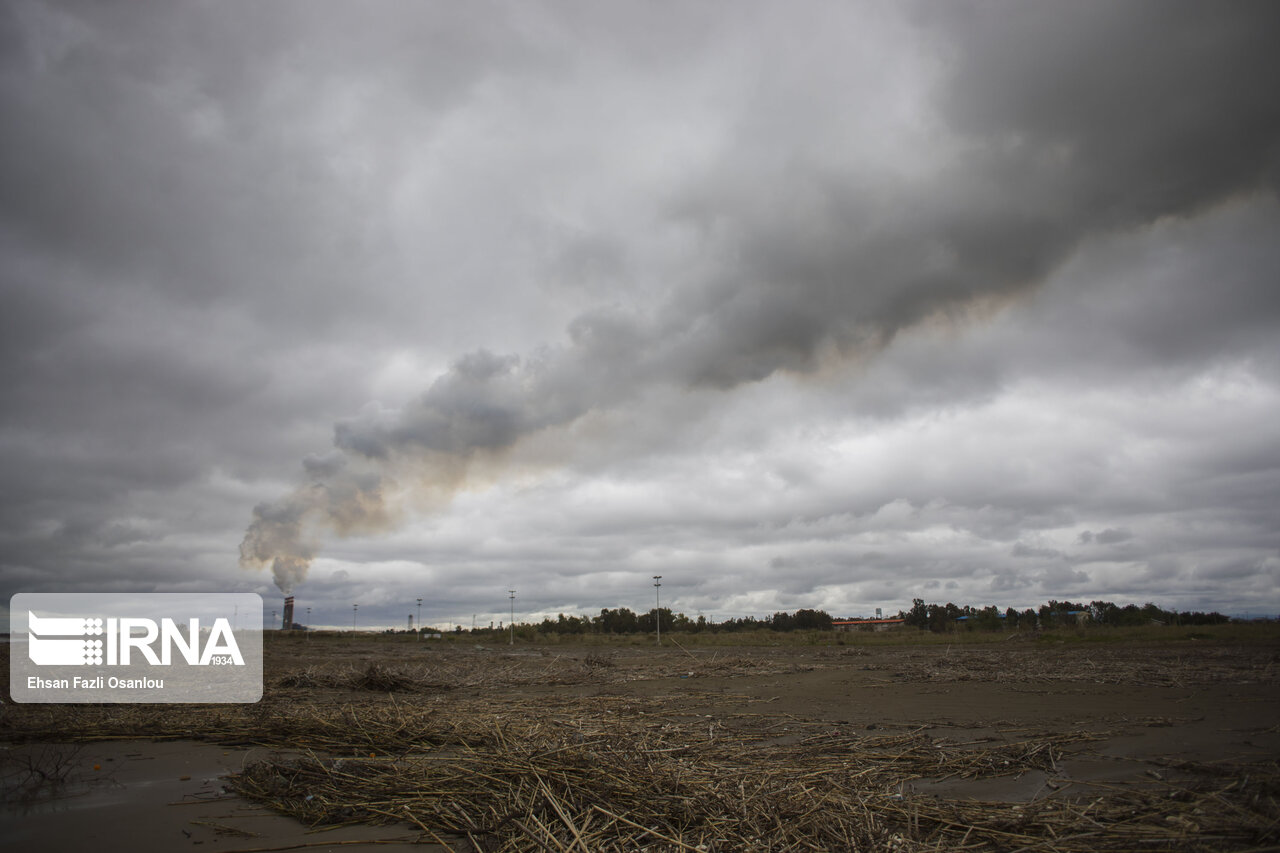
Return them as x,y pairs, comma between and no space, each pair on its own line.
211,155
1146,109
1021,549
172,218
1101,118
1075,119
1110,536
612,241
1066,130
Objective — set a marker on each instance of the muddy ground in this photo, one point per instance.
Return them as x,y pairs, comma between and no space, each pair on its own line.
1017,745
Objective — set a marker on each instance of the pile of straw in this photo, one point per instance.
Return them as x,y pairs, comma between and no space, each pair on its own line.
604,775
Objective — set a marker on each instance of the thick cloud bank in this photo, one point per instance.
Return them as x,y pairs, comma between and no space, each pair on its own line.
831,306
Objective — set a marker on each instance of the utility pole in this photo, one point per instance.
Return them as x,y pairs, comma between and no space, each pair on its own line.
419,618
657,606
512,596
308,624
355,608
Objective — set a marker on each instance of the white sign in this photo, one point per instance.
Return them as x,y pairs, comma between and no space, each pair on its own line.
149,647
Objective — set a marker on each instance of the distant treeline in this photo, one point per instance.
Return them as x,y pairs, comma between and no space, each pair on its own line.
942,617
624,621
931,617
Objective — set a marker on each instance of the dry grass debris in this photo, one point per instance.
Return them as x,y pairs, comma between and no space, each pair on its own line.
478,752
614,774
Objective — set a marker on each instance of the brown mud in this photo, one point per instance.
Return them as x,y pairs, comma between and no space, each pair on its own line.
1019,745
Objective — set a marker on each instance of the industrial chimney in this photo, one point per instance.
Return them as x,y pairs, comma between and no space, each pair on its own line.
287,622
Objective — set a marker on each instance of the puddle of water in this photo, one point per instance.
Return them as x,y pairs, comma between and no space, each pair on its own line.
149,796
1073,777
51,778
997,789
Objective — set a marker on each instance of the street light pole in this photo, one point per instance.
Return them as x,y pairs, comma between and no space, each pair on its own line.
657,606
419,625
512,595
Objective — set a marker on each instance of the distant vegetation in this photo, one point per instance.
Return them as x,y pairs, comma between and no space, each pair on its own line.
1054,614
624,621
921,621
925,617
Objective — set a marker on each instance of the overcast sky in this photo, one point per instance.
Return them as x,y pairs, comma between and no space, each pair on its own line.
828,305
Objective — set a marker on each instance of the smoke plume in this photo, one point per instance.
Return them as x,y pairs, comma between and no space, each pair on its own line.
283,535
1099,125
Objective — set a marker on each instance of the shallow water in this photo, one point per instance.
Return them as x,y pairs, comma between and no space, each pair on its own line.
145,796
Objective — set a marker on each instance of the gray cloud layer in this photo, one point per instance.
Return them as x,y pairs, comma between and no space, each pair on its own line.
633,253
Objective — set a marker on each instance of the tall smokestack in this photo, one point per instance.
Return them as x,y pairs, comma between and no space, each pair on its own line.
287,622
